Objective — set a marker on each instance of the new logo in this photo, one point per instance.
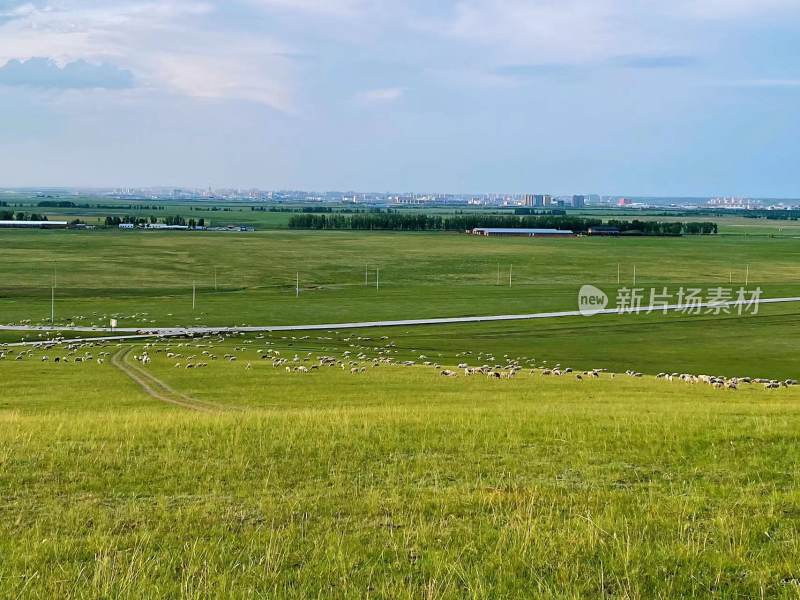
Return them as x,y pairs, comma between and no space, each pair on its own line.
591,300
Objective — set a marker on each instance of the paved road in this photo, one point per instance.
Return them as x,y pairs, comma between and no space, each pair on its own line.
126,333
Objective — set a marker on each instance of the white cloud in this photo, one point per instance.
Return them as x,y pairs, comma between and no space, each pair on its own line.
546,31
321,7
731,9
380,96
578,31
763,83
180,46
166,44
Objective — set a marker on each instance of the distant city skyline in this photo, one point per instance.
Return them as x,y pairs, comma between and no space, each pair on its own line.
383,198
692,98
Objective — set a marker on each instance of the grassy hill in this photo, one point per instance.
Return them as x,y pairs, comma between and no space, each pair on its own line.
396,482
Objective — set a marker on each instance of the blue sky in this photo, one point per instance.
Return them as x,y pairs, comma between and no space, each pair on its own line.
687,97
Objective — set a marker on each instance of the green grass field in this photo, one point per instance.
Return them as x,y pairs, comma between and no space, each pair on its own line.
146,278
396,482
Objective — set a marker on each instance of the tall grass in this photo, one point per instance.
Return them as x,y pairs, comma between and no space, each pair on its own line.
397,483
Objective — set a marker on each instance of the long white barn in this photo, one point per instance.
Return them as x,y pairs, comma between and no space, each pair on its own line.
506,231
33,224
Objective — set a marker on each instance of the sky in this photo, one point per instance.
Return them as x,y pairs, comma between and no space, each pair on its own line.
637,97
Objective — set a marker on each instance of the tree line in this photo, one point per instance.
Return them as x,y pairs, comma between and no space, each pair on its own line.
10,215
465,222
142,221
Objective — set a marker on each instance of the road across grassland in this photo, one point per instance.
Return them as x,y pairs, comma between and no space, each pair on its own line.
128,333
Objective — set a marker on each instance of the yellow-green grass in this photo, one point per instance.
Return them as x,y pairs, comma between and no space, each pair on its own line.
397,482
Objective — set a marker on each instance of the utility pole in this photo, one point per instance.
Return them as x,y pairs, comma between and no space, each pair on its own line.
297,286
634,275
498,273
194,294
747,276
377,279
366,275
510,271
618,274
215,279
53,299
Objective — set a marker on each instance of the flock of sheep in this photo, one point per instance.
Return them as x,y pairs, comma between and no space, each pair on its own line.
732,383
363,353
75,353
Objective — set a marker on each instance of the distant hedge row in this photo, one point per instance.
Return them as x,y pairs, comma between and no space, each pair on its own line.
661,228
425,222
10,215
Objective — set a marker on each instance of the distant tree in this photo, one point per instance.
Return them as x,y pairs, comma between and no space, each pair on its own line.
175,220
56,204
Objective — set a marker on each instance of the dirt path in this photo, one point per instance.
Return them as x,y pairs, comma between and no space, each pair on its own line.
156,388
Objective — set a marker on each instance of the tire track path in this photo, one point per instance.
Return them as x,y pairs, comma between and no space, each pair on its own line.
156,388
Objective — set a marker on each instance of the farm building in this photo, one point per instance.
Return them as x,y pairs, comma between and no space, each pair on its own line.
163,226
33,224
521,232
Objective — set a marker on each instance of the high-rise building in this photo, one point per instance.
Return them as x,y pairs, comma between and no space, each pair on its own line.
578,201
542,200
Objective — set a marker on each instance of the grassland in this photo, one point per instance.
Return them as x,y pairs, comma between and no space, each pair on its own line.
146,279
393,483
397,482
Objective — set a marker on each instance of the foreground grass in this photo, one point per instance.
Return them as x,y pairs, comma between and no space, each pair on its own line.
394,483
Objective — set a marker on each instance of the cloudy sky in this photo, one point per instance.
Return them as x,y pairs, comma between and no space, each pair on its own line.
686,97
